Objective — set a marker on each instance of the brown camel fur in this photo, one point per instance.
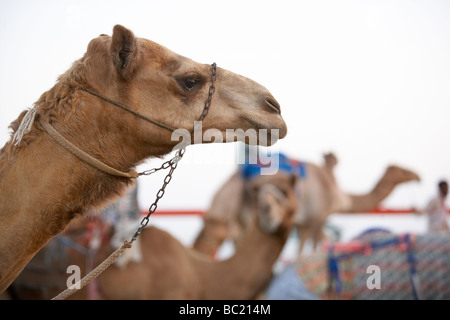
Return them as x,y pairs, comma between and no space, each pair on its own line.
43,186
169,270
217,226
318,196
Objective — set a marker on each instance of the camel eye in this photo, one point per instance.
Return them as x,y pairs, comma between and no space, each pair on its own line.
190,82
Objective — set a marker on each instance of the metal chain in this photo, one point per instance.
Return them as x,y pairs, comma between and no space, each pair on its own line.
212,89
172,163
165,165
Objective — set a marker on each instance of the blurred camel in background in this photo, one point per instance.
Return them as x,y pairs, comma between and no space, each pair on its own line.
318,196
169,270
159,266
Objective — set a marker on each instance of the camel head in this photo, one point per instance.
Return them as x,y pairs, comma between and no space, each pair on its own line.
171,89
274,199
397,175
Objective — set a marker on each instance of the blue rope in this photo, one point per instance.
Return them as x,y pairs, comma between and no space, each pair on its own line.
412,267
333,269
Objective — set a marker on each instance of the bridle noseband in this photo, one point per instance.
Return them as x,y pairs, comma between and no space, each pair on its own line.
205,111
104,167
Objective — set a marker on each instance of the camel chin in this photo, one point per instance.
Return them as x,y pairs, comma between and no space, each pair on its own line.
263,136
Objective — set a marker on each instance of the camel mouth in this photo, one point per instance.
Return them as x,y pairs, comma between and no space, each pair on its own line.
273,132
273,105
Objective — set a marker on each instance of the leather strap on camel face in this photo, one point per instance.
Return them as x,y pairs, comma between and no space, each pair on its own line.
205,111
101,165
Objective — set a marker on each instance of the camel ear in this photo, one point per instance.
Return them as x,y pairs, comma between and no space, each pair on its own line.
123,50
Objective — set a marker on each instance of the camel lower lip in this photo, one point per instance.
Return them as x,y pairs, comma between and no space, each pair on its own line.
269,133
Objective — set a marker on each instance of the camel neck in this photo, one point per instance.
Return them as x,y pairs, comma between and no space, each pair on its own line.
94,131
250,267
83,156
42,201
367,202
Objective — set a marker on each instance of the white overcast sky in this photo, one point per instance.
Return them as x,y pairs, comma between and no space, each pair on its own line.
368,80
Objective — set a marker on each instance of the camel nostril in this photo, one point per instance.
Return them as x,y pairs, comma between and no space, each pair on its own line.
273,104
